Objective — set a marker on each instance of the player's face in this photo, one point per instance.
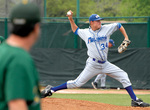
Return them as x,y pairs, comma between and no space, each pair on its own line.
96,25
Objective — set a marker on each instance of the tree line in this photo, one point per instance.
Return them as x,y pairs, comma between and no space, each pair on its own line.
105,8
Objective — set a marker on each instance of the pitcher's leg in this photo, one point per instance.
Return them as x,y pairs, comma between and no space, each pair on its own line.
88,72
85,76
117,73
120,75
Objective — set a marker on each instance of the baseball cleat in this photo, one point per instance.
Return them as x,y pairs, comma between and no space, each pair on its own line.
94,84
139,103
46,92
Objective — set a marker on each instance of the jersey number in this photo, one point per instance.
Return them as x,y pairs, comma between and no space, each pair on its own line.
102,46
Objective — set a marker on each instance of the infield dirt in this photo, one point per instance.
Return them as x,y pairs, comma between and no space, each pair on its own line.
72,104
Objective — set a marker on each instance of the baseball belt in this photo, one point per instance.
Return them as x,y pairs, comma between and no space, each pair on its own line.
98,61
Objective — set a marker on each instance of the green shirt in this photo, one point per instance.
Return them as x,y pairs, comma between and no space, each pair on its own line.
18,77
1,39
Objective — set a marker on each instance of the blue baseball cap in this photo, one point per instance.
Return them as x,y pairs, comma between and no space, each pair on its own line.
112,42
95,17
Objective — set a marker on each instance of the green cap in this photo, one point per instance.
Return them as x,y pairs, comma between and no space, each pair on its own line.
25,13
1,39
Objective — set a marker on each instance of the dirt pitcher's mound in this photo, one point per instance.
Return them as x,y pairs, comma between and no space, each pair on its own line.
71,104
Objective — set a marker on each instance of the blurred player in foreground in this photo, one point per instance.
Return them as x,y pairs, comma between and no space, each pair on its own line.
102,77
1,39
19,80
96,38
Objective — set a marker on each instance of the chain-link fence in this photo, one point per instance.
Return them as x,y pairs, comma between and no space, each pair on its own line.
7,5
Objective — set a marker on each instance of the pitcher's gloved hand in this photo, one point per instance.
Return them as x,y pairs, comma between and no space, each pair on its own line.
124,46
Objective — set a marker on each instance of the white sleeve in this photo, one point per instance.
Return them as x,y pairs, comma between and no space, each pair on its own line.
81,33
113,27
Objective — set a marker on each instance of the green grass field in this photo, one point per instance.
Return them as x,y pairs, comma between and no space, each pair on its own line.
115,99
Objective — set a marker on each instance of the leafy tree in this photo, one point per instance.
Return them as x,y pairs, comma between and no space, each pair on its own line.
59,8
107,8
135,8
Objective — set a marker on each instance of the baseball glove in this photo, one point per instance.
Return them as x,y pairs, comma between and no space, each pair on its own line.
124,46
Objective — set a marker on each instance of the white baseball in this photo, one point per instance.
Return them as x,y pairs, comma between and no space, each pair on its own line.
68,13
118,88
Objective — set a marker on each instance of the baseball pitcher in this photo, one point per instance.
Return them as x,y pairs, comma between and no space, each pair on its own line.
96,38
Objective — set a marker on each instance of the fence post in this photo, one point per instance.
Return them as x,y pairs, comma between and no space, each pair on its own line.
78,10
45,11
148,32
76,22
75,36
6,29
